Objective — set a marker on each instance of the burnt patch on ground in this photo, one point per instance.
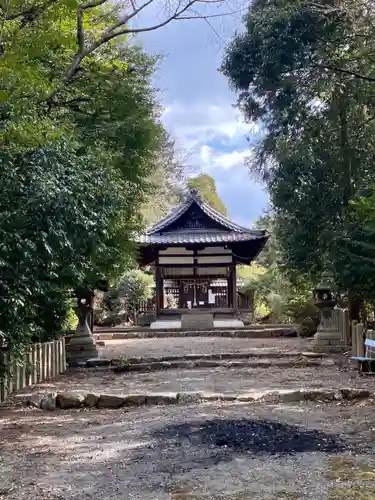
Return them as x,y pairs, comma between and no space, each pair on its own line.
252,436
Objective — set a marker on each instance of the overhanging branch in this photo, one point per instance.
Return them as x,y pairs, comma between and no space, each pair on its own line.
121,27
31,13
348,72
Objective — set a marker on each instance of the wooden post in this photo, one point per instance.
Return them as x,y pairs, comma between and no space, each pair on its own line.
4,383
158,291
229,290
34,365
63,357
234,288
181,302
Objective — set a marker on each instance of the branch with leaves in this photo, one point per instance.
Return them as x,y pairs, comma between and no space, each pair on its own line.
100,21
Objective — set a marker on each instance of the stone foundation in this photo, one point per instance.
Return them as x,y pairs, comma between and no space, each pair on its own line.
81,346
198,321
328,341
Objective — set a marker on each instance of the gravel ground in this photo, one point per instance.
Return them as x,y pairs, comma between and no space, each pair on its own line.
207,452
196,345
210,380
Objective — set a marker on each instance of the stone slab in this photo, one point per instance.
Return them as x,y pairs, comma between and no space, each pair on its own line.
228,323
197,321
165,324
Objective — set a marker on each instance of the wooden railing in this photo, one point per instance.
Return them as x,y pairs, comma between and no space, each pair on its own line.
43,362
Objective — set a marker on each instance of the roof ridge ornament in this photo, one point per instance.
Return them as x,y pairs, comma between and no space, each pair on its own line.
194,193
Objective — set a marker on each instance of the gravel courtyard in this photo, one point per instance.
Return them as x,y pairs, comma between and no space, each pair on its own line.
206,452
210,451
208,380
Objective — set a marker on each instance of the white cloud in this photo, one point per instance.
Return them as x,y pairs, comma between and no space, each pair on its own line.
211,159
213,136
199,124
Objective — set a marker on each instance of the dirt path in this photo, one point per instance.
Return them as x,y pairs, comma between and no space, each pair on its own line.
208,380
207,452
218,451
196,345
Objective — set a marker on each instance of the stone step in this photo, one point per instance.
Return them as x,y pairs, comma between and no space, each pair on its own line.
255,353
255,326
197,321
225,361
240,333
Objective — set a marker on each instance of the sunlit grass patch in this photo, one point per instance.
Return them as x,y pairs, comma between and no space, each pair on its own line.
185,493
348,469
353,493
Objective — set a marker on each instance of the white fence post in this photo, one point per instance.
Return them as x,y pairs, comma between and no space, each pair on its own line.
43,361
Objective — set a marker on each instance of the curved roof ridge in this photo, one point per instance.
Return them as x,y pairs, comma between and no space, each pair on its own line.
171,217
211,212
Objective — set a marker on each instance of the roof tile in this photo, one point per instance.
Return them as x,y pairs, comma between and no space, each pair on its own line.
196,237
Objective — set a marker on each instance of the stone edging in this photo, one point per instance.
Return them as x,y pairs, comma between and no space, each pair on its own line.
191,361
69,400
191,365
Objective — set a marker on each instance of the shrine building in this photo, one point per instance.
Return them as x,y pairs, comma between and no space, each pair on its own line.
193,250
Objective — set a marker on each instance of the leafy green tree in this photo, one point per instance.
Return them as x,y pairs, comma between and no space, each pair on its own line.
206,186
109,119
294,67
48,45
133,289
52,237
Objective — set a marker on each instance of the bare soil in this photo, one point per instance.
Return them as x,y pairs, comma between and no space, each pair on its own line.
207,452
218,451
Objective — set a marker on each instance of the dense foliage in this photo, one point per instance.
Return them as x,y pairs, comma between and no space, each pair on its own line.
305,70
81,142
125,299
53,237
273,290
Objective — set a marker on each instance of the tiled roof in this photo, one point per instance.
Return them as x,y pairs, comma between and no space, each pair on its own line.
208,210
189,237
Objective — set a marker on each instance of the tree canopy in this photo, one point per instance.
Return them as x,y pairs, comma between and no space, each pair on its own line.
81,143
304,70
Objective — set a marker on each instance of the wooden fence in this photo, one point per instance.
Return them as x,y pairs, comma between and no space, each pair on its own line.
43,362
352,332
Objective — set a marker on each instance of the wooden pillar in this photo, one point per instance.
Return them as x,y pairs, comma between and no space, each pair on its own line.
181,297
232,288
159,299
229,290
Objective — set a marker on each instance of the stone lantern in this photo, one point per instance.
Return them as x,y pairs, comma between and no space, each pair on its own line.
82,345
327,338
323,294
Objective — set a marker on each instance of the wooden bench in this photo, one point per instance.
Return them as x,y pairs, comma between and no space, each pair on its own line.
366,364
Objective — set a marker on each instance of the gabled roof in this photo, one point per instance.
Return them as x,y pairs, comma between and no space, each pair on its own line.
207,209
223,230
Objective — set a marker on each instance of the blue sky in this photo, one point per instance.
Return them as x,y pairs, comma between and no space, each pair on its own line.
199,110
